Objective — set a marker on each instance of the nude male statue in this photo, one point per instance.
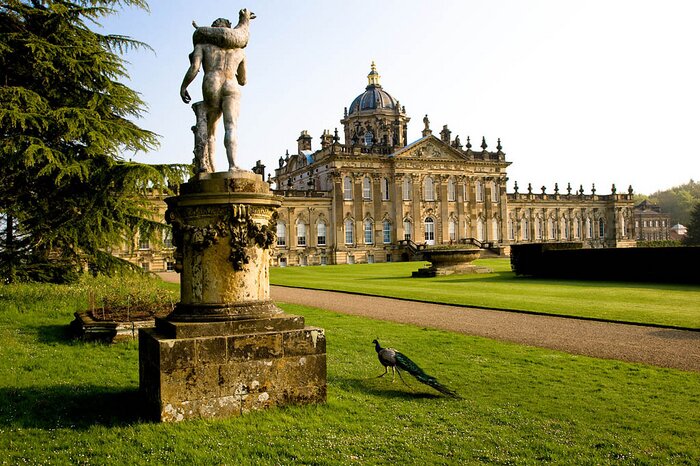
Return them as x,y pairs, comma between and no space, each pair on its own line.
219,50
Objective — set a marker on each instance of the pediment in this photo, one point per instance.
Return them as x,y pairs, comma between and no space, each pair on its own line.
429,148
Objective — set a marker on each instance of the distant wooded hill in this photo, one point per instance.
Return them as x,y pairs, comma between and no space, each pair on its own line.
677,201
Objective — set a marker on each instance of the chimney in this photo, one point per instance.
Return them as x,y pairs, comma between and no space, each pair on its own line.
304,141
326,139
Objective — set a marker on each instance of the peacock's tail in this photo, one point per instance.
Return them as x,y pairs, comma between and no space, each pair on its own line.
405,363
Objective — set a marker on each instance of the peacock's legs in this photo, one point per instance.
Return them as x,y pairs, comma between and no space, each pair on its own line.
401,377
386,369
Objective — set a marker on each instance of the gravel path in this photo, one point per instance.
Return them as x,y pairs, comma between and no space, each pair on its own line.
678,349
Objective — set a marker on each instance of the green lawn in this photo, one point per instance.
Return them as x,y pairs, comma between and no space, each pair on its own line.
63,402
661,304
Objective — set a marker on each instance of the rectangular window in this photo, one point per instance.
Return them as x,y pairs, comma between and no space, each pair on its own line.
321,237
301,234
168,239
366,188
170,266
324,260
494,193
385,189
349,232
407,228
406,189
370,259
479,192
386,232
347,188
368,233
144,243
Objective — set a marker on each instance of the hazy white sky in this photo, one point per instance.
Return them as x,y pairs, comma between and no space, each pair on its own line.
601,91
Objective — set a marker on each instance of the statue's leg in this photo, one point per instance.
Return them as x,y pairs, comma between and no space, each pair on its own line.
231,109
213,115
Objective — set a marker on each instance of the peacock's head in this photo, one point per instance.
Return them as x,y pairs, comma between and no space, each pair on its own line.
375,342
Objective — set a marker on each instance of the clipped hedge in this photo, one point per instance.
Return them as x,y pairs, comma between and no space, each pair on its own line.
666,265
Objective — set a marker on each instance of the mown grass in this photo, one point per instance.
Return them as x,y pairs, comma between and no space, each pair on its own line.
65,402
648,303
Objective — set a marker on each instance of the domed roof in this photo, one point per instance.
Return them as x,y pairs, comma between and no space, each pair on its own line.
374,97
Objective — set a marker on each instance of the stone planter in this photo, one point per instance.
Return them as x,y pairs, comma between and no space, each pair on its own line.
448,261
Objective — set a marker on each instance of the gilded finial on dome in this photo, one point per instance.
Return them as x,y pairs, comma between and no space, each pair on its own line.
373,76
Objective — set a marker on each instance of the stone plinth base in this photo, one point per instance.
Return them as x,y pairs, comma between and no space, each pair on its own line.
206,370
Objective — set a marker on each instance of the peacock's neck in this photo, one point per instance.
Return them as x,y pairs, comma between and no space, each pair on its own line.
377,348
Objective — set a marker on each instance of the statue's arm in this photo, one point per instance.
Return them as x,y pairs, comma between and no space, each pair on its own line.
195,64
241,72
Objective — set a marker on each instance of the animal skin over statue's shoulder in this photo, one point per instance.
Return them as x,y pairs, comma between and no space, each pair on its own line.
222,35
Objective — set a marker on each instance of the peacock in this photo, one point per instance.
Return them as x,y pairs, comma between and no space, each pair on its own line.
389,357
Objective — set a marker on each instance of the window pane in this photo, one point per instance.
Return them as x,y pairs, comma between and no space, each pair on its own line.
321,234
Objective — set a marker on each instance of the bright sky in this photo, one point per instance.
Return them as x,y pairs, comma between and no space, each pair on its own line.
587,92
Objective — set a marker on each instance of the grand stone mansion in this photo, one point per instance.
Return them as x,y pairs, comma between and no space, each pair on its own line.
375,197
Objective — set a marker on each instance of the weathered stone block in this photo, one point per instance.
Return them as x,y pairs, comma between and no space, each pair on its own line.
254,346
212,377
211,350
310,340
176,354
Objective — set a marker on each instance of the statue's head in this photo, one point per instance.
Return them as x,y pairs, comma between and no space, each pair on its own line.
245,14
221,23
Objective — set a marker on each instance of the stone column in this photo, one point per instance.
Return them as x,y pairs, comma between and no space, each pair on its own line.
227,349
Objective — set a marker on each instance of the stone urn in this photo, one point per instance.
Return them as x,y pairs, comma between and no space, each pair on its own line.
451,260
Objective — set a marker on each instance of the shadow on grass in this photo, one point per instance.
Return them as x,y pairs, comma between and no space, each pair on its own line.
66,406
52,334
384,388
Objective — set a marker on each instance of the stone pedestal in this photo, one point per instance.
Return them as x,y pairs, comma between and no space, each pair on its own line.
227,349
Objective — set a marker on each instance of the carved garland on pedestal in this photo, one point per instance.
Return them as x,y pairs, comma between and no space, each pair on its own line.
237,224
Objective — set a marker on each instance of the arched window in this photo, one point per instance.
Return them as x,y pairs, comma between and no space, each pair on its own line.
369,226
479,191
368,138
511,229
526,229
385,189
589,229
349,231
321,233
451,189
281,234
538,228
452,229
407,230
495,194
407,188
301,233
428,189
577,228
623,225
386,231
551,229
601,228
366,188
347,188
565,228
480,230
429,230
495,230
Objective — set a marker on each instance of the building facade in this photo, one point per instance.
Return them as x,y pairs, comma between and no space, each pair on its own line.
373,197
650,223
